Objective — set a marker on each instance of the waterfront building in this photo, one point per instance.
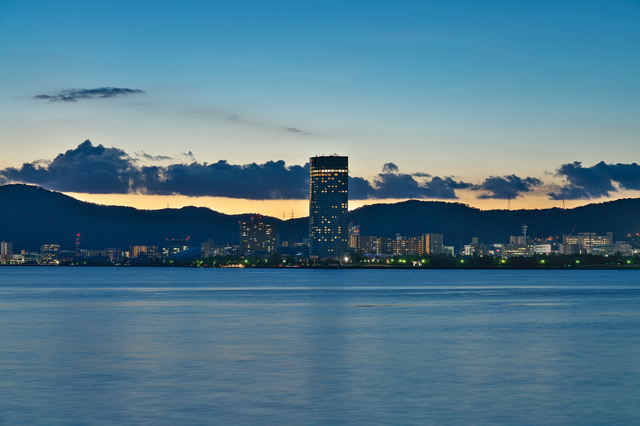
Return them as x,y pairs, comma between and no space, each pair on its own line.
354,237
207,248
431,244
328,209
143,251
257,236
49,253
404,245
6,250
517,250
584,242
384,245
475,249
175,245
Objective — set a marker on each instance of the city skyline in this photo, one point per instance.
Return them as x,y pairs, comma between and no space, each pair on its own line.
461,102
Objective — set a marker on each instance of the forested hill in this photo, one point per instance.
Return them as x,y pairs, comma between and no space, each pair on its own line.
458,222
31,216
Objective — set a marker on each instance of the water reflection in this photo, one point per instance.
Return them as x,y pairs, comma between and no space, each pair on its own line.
163,346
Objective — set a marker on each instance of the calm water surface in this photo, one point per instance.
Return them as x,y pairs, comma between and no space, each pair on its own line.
307,347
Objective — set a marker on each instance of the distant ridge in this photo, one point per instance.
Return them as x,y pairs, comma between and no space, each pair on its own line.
31,216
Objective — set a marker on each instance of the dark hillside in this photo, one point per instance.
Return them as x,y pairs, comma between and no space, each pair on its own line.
31,216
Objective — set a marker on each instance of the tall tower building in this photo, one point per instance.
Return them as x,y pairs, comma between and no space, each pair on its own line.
328,197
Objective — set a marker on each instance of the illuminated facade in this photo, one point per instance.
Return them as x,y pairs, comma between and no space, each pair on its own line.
257,236
328,210
143,251
431,244
584,242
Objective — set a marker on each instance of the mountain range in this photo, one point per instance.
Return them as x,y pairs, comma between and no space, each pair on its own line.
31,216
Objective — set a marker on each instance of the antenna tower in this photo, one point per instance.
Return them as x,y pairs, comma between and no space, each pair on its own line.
78,244
524,233
563,202
509,201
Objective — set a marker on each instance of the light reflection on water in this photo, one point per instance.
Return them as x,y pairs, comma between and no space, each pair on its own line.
165,346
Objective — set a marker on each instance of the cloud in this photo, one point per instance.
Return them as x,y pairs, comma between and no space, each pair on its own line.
73,95
584,183
271,180
390,168
503,187
393,184
88,169
242,120
100,170
153,157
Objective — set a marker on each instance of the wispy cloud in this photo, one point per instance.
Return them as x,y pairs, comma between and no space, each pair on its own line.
228,116
189,155
74,95
153,157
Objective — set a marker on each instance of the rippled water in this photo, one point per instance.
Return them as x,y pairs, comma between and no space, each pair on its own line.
167,346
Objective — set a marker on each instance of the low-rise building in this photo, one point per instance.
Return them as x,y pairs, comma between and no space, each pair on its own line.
475,248
143,251
584,242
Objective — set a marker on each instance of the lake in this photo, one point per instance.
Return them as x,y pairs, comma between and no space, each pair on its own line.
314,347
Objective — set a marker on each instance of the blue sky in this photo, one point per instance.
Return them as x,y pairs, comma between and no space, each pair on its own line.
462,89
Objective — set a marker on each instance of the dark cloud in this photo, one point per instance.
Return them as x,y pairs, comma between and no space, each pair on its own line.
503,187
73,95
271,180
189,155
390,168
100,170
360,189
88,168
393,184
627,175
153,157
583,183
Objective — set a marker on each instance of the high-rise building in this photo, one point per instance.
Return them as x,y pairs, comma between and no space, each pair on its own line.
328,210
431,244
257,236
6,248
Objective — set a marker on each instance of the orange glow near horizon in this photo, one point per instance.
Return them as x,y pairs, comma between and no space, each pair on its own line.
283,208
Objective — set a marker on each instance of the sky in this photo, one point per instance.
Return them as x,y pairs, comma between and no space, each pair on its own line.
527,104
